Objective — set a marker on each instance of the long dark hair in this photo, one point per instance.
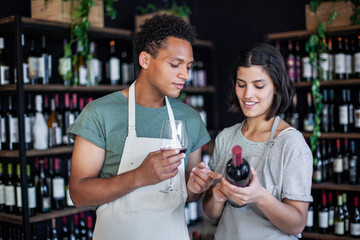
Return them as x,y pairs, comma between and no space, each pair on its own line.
271,60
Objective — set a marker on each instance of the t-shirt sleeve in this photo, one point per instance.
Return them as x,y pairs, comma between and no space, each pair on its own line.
88,126
298,172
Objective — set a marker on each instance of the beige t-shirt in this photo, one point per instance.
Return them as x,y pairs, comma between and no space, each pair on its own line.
286,172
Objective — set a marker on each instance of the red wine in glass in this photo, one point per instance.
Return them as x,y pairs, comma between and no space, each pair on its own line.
238,171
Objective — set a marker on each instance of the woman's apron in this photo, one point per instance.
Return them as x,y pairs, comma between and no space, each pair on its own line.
144,213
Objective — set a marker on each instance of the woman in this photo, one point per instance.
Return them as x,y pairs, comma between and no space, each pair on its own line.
279,192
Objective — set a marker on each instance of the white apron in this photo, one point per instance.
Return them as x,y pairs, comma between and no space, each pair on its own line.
144,213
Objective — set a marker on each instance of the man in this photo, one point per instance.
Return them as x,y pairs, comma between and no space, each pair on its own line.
116,162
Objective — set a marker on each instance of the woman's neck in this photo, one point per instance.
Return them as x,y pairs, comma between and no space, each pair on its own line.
257,129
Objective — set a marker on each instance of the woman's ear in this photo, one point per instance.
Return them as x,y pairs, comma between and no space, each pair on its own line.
144,59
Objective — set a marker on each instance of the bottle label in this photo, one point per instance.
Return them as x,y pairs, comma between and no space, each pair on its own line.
317,175
27,121
306,67
26,73
331,217
290,64
340,63
357,62
14,133
69,202
346,163
83,78
58,136
355,229
310,219
323,219
64,66
340,228
33,67
4,75
2,193
331,63
338,165
10,195
343,115
46,202
353,169
40,131
351,114
114,65
18,196
324,61
58,188
202,77
325,118
94,71
357,118
32,197
193,211
348,63
3,130
308,124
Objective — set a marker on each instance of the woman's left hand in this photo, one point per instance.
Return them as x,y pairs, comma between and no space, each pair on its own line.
201,178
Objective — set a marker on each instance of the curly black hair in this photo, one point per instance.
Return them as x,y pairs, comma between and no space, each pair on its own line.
271,60
155,31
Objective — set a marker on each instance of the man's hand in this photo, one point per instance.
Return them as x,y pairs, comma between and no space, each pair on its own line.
201,178
159,166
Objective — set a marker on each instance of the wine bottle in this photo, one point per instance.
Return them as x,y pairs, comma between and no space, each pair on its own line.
340,68
297,63
309,120
355,220
46,108
202,112
351,110
339,217
353,164
33,63
357,58
326,163
54,234
4,66
80,70
193,212
113,71
48,233
18,208
238,171
338,166
34,233
55,131
344,113
40,127
29,118
3,129
68,117
26,79
357,114
89,228
346,214
201,73
324,63
76,227
331,212
126,68
323,216
346,157
45,64
309,224
31,192
65,230
325,118
59,117
94,66
2,189
332,112
10,196
43,191
12,127
69,202
348,60
317,166
306,68
331,60
58,187
75,110
65,67
294,115
83,232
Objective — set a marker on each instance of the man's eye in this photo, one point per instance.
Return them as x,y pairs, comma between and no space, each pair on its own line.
174,65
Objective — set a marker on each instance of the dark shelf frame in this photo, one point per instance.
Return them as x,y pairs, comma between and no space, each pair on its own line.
337,82
334,135
319,236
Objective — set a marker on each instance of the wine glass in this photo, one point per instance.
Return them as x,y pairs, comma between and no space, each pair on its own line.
173,135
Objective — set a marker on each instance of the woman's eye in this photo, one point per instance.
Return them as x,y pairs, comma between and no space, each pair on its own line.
174,65
241,85
259,87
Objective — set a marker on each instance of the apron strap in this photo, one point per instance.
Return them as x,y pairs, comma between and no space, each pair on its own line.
131,112
273,129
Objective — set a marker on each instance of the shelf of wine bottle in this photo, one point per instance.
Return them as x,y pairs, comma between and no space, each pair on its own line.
337,187
333,135
306,33
36,153
319,236
99,88
16,219
337,82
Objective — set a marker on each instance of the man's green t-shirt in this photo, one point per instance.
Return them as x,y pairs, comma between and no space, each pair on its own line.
104,122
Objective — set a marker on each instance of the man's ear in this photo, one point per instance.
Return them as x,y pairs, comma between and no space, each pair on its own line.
144,59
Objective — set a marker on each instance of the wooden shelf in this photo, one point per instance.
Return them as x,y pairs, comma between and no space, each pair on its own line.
35,153
329,83
333,135
320,236
306,33
334,186
15,219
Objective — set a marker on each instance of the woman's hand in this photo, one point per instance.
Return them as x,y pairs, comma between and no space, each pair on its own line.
201,178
